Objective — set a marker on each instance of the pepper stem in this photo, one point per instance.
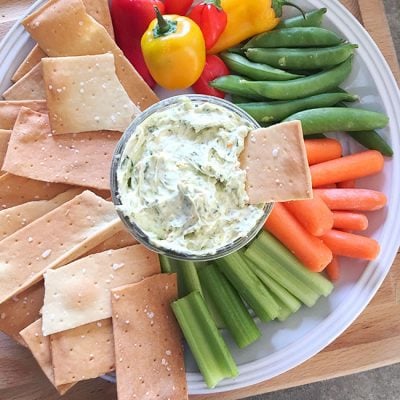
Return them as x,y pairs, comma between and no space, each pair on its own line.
163,27
278,4
215,3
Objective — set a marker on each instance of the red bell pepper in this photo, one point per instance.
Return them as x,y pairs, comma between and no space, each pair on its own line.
179,7
213,69
131,19
211,18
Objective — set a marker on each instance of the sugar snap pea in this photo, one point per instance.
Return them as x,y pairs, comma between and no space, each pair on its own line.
312,18
297,88
373,141
276,111
339,119
310,58
236,99
241,65
309,36
233,84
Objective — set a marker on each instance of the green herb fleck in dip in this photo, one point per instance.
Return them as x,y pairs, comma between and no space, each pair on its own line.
180,180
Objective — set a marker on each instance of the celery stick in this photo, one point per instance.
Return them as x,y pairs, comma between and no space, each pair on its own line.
278,291
206,343
167,264
285,312
230,306
245,281
266,243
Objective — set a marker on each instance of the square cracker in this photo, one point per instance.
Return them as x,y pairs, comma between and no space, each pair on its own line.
83,353
121,239
75,33
20,311
275,161
55,239
84,94
29,87
31,60
79,293
148,343
4,139
39,345
9,110
83,159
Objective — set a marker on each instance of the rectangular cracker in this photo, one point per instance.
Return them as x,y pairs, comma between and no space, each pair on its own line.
100,11
83,353
4,139
76,89
148,343
20,311
83,159
15,218
39,346
75,33
275,161
29,87
32,59
121,239
55,239
9,110
79,293
15,190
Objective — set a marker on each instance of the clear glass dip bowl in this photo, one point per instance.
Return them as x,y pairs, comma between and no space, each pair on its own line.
133,228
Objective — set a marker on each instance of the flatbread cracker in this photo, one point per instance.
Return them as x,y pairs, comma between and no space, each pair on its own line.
55,239
29,87
4,139
15,190
100,11
20,311
79,293
148,343
39,346
84,94
9,110
275,161
69,23
31,60
15,218
121,239
83,159
83,353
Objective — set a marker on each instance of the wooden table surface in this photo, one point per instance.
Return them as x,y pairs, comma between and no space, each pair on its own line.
373,340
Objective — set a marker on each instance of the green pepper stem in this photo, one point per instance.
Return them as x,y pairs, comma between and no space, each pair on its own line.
216,3
278,4
163,27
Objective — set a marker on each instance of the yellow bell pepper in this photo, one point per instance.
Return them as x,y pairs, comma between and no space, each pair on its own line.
247,18
174,51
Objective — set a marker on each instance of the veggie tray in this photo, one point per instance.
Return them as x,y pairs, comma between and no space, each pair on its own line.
286,344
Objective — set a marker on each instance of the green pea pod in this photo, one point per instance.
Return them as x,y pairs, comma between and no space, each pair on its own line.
312,18
312,58
309,36
298,88
373,141
339,119
276,111
233,84
242,66
236,99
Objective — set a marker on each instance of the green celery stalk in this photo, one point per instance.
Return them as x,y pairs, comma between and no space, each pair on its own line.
230,306
167,264
266,244
285,312
245,281
211,353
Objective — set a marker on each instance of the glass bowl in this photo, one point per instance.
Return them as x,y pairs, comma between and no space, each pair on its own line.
133,228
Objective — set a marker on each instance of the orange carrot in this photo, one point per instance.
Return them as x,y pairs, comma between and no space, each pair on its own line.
352,199
346,168
311,251
351,184
349,221
333,269
320,150
330,186
351,245
313,214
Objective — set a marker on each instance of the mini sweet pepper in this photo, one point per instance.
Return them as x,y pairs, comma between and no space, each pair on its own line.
174,51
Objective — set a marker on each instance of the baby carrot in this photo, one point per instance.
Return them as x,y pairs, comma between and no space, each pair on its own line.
351,245
346,168
320,150
352,199
310,250
313,214
330,186
351,184
333,269
349,221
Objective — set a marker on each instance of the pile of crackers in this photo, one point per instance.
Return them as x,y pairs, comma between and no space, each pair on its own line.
75,287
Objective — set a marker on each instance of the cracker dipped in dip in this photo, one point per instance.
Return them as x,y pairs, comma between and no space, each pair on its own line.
179,178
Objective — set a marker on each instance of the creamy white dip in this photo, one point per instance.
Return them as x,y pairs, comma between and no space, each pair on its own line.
180,180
